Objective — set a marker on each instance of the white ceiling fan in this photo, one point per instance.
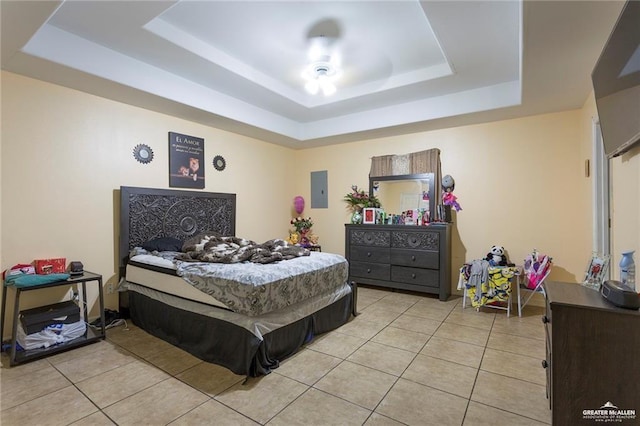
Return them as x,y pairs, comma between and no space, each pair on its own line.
324,68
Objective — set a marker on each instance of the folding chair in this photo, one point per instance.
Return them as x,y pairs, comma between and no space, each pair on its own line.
536,269
500,280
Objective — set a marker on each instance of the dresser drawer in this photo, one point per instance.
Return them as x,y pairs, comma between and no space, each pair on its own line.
415,258
370,237
423,277
416,240
374,271
369,254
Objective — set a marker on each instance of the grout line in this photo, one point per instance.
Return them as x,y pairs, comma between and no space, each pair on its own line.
341,361
475,380
184,414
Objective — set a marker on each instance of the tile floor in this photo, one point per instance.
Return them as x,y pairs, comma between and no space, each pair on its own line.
406,359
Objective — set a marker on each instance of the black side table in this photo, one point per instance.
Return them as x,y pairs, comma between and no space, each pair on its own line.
90,335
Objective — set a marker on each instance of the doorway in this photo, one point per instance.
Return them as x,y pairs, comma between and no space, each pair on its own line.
601,215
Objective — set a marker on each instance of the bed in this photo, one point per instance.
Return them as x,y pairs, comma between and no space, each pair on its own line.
247,326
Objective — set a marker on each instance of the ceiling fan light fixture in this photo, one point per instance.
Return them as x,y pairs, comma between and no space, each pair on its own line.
328,88
312,87
320,76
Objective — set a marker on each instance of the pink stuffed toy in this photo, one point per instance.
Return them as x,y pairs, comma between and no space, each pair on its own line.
448,199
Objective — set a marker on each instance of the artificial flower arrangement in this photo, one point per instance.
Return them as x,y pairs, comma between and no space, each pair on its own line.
358,199
302,235
301,223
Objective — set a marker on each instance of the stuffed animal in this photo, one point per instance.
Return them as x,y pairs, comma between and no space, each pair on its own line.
448,199
294,238
496,256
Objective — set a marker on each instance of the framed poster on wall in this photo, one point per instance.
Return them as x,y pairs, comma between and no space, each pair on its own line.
186,161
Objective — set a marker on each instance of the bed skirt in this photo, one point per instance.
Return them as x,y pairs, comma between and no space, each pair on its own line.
229,345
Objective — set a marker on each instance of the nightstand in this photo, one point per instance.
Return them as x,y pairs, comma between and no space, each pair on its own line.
90,335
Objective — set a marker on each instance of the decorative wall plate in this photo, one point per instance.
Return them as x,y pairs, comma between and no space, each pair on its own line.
143,153
219,163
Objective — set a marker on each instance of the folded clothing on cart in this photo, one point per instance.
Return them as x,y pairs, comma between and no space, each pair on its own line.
33,280
51,335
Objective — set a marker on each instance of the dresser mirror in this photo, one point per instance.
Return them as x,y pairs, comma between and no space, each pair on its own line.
404,192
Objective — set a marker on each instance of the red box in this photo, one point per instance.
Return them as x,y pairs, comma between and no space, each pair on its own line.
50,266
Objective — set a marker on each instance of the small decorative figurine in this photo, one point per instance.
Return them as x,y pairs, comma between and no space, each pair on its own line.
448,199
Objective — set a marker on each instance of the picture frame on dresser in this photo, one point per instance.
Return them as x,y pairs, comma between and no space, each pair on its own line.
596,271
369,216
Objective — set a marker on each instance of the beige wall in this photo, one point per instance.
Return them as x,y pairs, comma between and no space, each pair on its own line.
66,153
625,207
624,174
521,182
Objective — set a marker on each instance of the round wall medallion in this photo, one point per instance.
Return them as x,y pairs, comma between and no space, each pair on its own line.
218,163
143,153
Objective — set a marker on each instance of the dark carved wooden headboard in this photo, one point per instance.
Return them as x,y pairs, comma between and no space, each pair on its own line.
147,213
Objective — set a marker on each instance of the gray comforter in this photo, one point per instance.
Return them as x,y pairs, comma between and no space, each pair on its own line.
249,278
256,289
215,249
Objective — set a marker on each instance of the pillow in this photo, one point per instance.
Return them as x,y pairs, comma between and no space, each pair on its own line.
150,259
192,243
163,244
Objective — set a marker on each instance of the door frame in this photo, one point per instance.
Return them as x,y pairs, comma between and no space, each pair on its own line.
601,194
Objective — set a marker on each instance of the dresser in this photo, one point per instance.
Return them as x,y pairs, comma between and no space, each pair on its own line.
416,258
592,356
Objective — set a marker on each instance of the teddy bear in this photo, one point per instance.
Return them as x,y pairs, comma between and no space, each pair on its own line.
496,256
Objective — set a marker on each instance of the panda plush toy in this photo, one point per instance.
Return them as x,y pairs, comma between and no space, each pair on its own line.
496,256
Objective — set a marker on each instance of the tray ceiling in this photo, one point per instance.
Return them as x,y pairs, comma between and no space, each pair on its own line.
405,66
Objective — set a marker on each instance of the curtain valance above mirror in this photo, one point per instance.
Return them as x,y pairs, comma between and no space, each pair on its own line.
427,161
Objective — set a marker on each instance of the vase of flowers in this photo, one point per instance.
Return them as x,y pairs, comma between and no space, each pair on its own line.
358,199
302,223
356,216
303,228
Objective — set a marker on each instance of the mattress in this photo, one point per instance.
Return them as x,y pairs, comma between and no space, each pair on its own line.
247,288
167,283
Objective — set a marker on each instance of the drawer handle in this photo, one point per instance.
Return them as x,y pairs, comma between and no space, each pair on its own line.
545,364
413,275
413,258
545,320
368,270
368,254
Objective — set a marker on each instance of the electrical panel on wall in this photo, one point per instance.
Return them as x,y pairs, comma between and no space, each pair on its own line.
319,190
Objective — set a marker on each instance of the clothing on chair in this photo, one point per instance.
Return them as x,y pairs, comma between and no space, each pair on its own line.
478,276
486,284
